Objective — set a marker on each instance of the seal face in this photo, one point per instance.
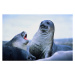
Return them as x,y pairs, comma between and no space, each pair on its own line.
41,43
46,26
20,41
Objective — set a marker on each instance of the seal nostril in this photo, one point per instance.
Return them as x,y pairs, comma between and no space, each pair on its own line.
42,26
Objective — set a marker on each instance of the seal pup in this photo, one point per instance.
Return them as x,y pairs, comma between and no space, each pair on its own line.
60,56
42,44
16,48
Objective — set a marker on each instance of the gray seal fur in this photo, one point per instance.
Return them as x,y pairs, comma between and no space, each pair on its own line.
41,44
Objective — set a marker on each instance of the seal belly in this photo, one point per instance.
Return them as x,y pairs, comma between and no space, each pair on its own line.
36,51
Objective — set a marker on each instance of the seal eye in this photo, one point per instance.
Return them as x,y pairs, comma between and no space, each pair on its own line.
48,23
23,34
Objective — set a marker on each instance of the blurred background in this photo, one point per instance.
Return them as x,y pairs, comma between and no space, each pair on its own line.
16,23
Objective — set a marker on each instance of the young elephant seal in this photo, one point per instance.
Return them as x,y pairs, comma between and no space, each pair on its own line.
16,48
42,44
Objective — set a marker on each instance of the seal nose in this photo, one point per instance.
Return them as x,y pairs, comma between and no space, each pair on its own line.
42,26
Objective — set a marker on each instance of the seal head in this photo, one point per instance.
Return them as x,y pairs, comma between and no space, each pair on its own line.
46,26
20,40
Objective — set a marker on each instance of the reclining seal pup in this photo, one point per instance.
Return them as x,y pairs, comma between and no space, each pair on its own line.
60,56
16,49
42,44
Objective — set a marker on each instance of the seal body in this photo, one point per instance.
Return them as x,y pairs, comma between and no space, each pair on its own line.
41,44
16,48
56,48
60,56
13,53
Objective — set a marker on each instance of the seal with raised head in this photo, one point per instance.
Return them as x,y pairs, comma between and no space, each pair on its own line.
42,45
19,40
16,48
